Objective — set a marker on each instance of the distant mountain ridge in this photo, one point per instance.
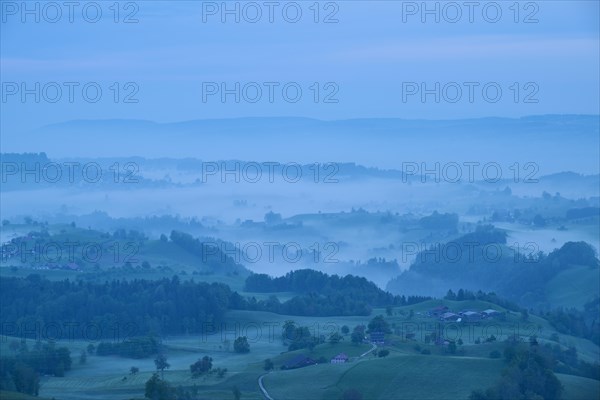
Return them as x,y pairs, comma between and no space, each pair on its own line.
549,140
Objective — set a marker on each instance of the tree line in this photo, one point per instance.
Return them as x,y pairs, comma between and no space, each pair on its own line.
323,295
116,309
121,309
21,368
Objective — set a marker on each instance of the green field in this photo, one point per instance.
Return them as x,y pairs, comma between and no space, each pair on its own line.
397,377
165,258
4,395
578,388
573,287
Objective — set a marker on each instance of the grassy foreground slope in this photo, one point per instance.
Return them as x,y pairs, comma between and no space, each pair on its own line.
405,377
397,377
6,395
403,374
573,287
578,388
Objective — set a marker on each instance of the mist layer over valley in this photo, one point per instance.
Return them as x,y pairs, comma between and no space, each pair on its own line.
509,231
322,200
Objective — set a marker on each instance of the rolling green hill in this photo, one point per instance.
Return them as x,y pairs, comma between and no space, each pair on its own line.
573,287
568,275
121,255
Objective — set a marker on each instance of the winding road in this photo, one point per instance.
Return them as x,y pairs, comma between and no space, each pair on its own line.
262,388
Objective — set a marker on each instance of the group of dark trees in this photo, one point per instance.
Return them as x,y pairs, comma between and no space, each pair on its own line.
379,324
528,375
241,345
134,347
530,370
299,337
304,337
201,366
112,310
20,370
118,310
320,294
437,221
585,212
358,334
157,388
204,366
582,323
210,251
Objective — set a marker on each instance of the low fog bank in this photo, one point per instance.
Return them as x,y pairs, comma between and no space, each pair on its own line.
340,218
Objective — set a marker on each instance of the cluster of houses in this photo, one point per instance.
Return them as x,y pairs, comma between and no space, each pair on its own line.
377,338
340,359
444,314
68,266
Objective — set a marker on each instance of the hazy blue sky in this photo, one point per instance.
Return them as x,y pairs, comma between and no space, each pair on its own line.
367,54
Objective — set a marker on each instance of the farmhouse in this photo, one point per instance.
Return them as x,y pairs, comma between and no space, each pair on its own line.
298,361
449,317
471,316
438,311
340,359
72,266
377,338
489,313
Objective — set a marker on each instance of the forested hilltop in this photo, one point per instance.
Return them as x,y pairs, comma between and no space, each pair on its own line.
173,306
484,260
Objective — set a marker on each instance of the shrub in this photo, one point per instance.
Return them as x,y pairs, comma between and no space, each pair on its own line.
383,353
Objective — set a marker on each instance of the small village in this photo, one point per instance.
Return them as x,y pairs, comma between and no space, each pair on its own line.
378,339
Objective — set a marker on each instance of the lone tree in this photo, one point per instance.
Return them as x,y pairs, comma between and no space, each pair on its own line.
268,365
288,330
161,364
241,345
379,324
237,395
452,347
358,334
134,370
